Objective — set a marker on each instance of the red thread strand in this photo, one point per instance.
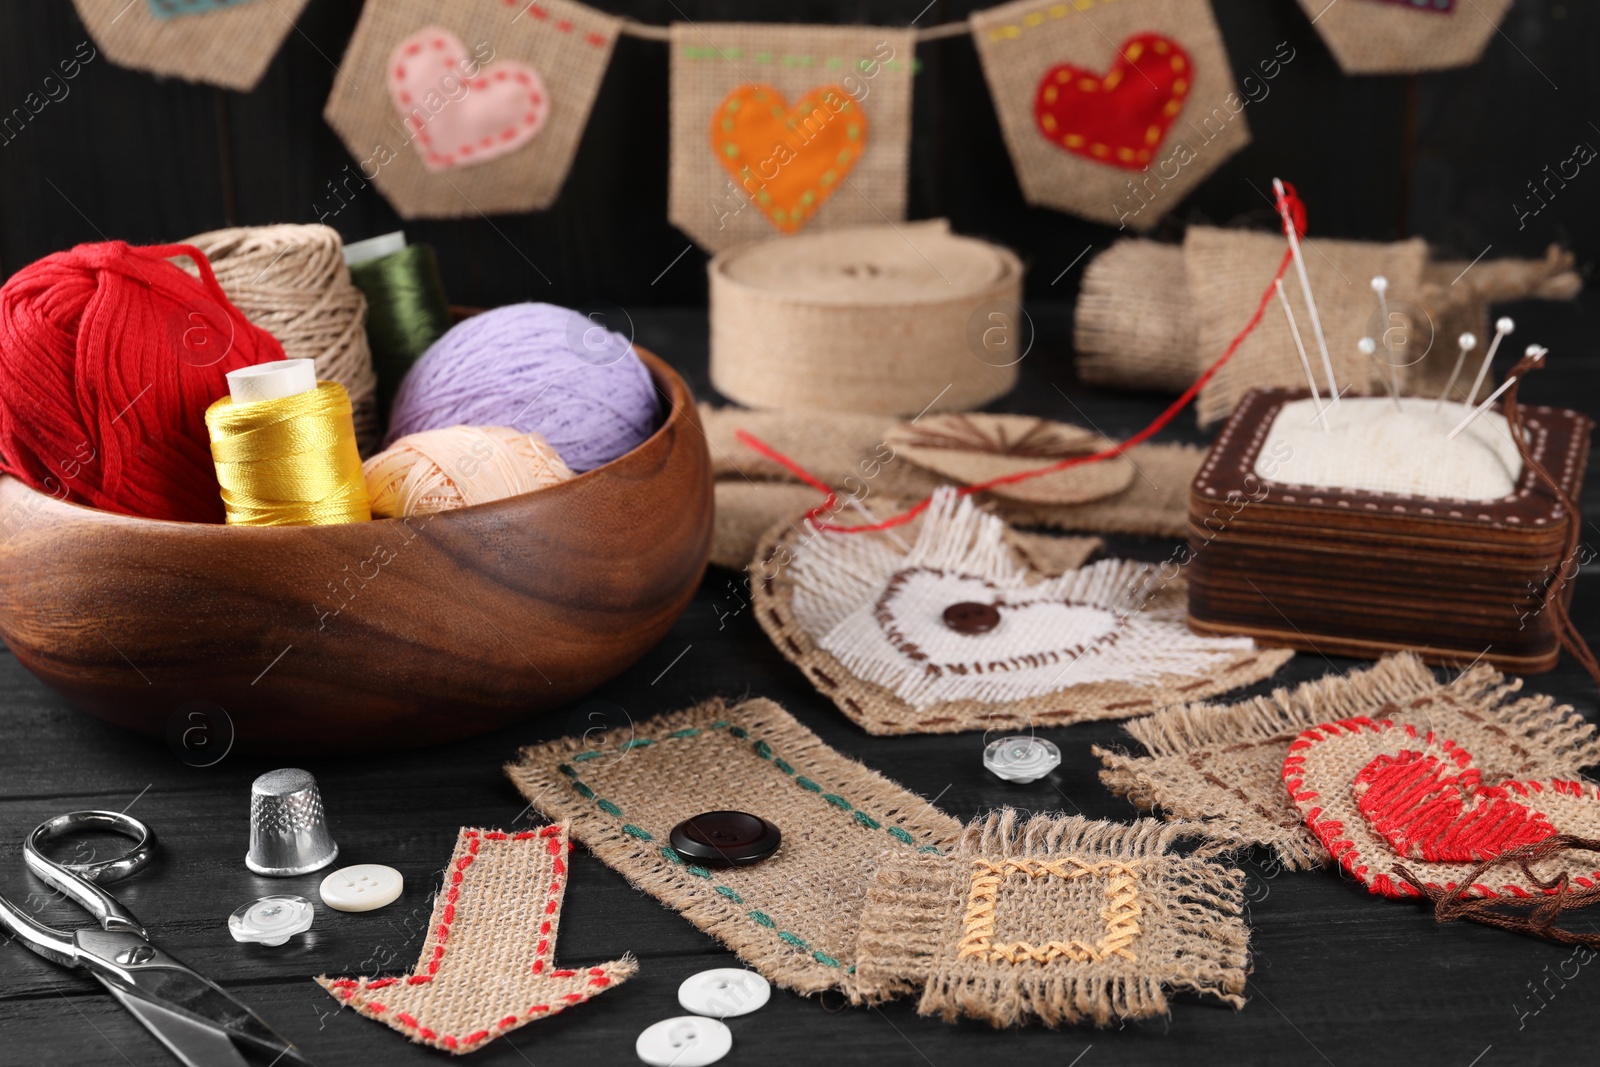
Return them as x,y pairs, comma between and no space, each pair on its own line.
109,356
1297,212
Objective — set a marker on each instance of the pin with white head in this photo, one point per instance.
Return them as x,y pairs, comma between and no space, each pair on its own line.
1467,342
1502,327
1300,347
1305,288
1534,353
1368,347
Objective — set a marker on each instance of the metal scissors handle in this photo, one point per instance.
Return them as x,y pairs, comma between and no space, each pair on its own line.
194,1017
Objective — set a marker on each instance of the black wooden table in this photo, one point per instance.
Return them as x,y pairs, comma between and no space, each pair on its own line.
1339,977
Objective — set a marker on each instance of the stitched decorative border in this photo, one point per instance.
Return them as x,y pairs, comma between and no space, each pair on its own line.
598,40
1034,19
1121,913
767,58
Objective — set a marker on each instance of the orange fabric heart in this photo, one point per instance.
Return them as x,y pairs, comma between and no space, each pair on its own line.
788,160
1123,117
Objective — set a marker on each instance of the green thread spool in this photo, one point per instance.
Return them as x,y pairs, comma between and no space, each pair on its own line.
406,312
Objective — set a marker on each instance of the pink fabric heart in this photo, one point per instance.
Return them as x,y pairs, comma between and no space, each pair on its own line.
457,112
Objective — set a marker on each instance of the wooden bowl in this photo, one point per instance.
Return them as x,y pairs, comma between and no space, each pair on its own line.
389,634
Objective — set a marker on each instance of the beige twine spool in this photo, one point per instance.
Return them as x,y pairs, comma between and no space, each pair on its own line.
292,282
879,319
438,470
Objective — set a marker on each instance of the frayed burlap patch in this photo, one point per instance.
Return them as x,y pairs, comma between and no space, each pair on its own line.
867,618
853,454
1059,919
793,916
1410,811
488,964
976,449
228,46
1368,37
1222,765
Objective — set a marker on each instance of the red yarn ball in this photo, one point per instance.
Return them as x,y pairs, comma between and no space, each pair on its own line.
109,356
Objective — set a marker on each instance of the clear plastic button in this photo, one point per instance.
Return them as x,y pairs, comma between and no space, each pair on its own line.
724,992
271,920
1021,759
687,1041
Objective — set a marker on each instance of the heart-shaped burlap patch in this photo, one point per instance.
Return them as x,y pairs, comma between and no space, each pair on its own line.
1381,796
1122,117
788,159
456,112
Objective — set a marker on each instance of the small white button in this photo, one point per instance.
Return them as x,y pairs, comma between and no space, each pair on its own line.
362,887
687,1041
724,992
271,920
1021,759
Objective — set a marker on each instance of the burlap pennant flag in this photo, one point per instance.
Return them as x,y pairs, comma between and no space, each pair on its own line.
1405,36
219,42
776,129
1111,111
470,107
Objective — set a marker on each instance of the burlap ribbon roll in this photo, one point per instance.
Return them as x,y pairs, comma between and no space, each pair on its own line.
881,319
291,280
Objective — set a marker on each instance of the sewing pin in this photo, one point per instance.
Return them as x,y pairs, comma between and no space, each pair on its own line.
1502,327
1534,353
1300,347
1467,341
1380,285
1305,287
1368,347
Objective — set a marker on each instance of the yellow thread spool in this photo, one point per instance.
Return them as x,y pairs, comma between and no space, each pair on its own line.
289,461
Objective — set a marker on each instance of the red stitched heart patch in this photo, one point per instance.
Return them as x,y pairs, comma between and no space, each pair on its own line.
1381,796
1122,117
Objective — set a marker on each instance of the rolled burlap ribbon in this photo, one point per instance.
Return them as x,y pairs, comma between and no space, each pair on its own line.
890,320
291,281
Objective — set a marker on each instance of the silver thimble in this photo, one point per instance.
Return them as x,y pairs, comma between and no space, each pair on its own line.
288,828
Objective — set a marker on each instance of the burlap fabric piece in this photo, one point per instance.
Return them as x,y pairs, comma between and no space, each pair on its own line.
871,65
567,44
488,963
894,320
292,282
974,449
1383,37
229,46
851,454
1023,47
1221,765
1229,268
1135,325
1388,799
866,618
794,916
1058,919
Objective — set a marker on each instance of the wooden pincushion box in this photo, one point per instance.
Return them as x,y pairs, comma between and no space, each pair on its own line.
1357,573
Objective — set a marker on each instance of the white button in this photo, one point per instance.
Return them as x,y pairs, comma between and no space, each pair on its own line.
271,920
362,887
724,992
687,1041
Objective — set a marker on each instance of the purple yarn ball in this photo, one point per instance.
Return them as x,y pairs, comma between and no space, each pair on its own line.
538,368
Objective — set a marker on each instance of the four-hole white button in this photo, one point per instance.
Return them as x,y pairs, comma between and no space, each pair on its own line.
362,887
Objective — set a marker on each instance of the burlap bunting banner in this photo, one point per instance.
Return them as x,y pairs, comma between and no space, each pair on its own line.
219,42
470,107
776,129
1112,111
1405,36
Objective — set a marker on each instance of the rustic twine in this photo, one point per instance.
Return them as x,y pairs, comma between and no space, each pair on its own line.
1055,918
291,280
873,319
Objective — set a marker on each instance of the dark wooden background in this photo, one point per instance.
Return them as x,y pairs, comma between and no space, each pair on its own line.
1339,977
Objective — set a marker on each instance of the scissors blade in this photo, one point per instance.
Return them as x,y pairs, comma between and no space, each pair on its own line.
196,1044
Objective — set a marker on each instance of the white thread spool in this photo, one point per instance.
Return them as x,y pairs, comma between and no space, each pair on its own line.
374,248
272,381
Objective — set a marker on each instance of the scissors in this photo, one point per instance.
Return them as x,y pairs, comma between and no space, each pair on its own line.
190,1014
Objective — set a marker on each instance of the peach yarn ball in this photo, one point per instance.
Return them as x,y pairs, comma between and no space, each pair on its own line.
437,470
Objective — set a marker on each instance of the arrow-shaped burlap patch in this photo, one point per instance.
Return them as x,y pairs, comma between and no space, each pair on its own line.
487,966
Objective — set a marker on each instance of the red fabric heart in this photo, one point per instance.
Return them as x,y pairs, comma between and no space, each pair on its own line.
1420,808
1123,117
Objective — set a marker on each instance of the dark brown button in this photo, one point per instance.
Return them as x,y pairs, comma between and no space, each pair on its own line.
726,838
971,617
